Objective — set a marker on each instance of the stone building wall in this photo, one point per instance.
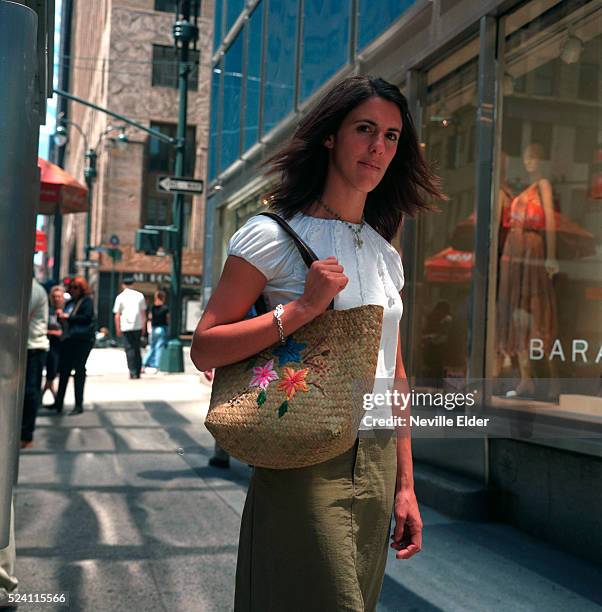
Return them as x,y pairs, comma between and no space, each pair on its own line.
112,67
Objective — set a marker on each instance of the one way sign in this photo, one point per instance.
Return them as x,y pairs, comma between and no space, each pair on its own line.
178,184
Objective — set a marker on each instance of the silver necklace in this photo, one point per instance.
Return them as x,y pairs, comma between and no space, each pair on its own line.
356,231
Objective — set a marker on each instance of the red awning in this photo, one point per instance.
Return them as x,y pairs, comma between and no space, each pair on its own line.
59,188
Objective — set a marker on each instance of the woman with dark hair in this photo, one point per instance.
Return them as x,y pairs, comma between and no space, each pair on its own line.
77,341
159,320
315,538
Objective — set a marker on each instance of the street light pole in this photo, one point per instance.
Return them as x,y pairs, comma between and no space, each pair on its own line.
90,176
184,33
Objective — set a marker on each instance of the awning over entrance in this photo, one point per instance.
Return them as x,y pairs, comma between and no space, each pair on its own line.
59,189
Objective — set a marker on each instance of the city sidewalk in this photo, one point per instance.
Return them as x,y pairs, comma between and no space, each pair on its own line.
118,508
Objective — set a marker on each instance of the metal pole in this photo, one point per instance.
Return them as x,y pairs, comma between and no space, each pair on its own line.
64,73
90,175
483,191
151,131
19,195
111,299
184,33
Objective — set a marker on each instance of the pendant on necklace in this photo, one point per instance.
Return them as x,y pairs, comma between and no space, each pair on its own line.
358,241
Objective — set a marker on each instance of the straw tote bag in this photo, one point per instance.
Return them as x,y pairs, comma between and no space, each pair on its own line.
297,404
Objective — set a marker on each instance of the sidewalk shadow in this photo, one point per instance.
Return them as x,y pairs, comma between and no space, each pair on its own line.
396,598
236,475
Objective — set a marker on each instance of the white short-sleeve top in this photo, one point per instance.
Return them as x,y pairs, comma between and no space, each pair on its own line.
375,273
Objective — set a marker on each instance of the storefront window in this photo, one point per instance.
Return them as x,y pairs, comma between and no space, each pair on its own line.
253,77
445,239
376,17
214,127
232,103
325,42
279,88
548,309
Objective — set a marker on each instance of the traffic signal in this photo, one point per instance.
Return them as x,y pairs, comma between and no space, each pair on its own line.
148,241
153,237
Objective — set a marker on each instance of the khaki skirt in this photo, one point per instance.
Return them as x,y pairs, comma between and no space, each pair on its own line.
316,538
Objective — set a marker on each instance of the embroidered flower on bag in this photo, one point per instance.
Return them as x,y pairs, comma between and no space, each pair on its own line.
263,375
293,381
291,351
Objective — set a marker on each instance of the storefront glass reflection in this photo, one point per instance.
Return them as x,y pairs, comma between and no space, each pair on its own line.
548,306
445,239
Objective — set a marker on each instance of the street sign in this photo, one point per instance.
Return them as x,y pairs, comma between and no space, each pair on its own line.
177,184
82,263
114,240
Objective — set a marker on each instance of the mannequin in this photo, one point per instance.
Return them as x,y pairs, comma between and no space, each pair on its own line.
526,300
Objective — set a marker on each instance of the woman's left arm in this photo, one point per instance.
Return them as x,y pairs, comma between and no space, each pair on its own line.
407,536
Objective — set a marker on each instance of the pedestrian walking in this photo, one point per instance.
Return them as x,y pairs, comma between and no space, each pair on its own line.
77,341
130,319
56,298
159,322
37,347
315,538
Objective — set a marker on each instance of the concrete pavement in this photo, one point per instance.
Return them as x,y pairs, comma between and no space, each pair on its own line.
118,508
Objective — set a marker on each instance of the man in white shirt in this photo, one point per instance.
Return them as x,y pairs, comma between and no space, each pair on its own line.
37,347
130,320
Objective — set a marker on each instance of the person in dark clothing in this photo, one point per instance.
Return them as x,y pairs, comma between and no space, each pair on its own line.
77,342
56,297
159,319
37,346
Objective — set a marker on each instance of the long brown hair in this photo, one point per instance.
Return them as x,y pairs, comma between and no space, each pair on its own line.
302,164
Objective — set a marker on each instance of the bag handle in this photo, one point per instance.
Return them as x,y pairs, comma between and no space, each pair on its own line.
306,253
76,307
304,250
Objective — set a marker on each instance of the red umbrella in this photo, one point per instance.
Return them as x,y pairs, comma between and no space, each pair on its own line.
449,266
59,188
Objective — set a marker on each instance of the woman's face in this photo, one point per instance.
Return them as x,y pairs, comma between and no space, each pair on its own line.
75,291
365,144
57,298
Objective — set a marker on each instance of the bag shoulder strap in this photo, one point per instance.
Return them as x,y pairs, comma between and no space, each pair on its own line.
304,250
306,253
76,307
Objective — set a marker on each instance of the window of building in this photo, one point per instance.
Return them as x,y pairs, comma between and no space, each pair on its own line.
218,24
326,26
160,160
548,304
279,86
253,77
445,240
215,121
231,136
166,6
165,67
235,8
375,17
